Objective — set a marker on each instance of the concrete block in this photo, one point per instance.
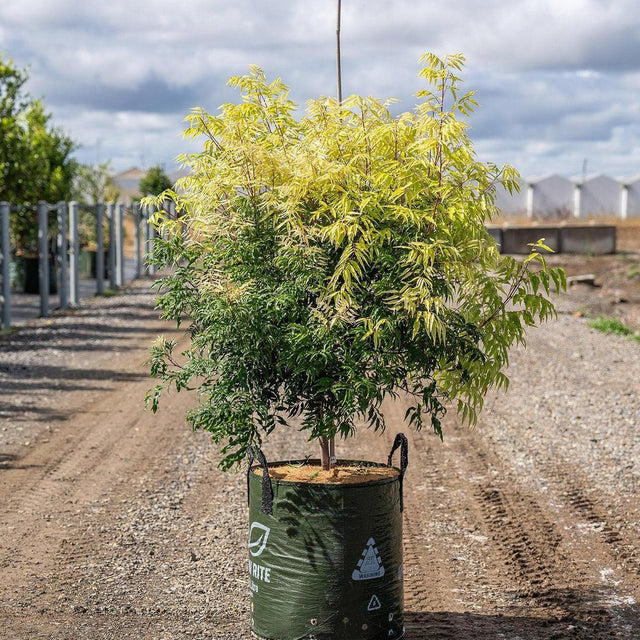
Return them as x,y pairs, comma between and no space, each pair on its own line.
593,239
516,239
496,234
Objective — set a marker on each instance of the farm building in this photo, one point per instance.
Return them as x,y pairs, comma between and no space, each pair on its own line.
597,196
550,196
630,207
129,180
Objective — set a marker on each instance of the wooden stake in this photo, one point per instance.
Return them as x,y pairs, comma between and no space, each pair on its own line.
338,57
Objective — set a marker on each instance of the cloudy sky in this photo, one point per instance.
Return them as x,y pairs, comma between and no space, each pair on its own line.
558,81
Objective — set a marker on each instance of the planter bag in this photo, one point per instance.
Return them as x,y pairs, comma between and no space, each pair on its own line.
325,560
27,275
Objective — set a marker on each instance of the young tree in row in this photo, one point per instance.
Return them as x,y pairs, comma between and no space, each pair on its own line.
94,183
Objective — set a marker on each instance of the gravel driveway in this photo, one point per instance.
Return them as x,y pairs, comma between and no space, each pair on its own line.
116,524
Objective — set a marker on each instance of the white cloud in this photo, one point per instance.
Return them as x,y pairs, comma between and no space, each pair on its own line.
556,80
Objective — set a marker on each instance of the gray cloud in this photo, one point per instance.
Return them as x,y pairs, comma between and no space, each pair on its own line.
556,80
151,95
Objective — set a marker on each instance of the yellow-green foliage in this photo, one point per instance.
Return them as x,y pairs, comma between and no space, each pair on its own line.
328,261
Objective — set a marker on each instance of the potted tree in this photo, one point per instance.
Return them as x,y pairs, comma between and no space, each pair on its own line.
24,234
324,264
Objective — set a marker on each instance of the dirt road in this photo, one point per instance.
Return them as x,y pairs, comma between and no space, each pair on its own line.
115,523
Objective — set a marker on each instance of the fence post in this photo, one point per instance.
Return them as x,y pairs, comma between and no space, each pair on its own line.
100,249
63,249
43,257
4,252
135,206
147,237
119,245
530,188
152,242
73,254
111,215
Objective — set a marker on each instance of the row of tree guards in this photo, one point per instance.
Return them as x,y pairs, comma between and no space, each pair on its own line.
61,251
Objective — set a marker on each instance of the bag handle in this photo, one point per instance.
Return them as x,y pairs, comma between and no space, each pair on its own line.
400,441
254,452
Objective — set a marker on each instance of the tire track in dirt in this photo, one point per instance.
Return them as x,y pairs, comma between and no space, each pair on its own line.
81,465
529,578
437,529
552,572
622,539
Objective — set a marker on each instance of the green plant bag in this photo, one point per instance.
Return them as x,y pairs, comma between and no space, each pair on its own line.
325,560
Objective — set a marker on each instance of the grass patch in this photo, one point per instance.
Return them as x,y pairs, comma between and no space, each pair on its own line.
633,270
613,325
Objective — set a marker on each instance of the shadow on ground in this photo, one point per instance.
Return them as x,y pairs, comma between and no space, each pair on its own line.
11,461
568,614
56,354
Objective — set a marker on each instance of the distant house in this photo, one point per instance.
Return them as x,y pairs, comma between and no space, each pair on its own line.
129,180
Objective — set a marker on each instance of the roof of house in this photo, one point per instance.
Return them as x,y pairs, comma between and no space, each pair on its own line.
129,180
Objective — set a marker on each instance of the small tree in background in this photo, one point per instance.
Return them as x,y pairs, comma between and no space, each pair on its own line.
35,157
155,182
94,183
335,260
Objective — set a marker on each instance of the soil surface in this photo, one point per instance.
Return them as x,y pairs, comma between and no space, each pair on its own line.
115,523
339,474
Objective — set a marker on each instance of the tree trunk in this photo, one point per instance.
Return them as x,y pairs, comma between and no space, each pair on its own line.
325,456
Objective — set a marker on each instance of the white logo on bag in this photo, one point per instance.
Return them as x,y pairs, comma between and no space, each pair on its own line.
258,536
374,604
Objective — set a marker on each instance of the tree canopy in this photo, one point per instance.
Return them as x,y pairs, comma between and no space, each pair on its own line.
155,182
331,261
35,157
94,183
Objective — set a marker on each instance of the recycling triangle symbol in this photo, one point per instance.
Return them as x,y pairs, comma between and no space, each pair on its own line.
369,566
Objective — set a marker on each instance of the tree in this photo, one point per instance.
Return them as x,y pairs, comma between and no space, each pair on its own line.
326,263
12,105
35,157
94,183
156,181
